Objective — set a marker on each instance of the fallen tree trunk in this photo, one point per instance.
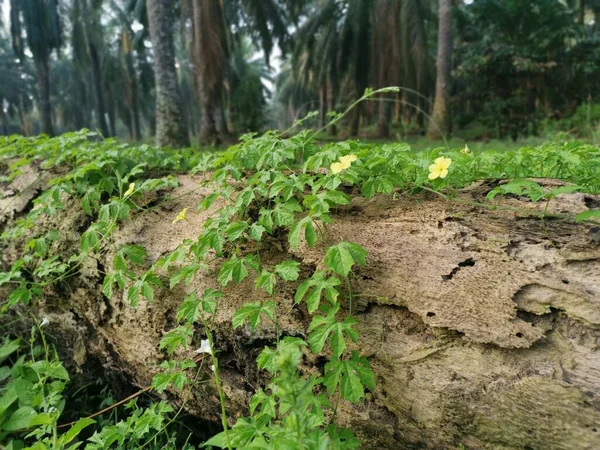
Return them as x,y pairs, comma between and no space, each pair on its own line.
481,325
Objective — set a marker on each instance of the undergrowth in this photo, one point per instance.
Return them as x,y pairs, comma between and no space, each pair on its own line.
267,186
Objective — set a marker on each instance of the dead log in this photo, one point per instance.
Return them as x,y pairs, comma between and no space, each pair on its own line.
482,325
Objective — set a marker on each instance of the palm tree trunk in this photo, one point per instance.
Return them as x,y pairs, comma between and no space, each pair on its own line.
4,120
323,105
43,78
112,120
171,129
206,51
332,130
440,124
383,119
355,120
98,91
135,112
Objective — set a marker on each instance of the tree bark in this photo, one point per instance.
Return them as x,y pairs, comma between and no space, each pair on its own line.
45,109
440,123
206,52
383,118
332,129
98,91
171,129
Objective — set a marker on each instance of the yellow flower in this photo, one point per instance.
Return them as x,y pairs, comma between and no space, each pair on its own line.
180,216
348,159
439,168
130,190
343,163
465,151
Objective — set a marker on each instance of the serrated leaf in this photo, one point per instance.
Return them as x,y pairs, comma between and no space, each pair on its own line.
235,230
340,258
267,281
324,327
251,312
256,231
89,240
316,286
175,338
306,225
189,309
288,270
232,269
186,273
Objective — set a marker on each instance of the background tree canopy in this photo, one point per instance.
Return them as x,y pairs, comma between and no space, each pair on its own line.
517,67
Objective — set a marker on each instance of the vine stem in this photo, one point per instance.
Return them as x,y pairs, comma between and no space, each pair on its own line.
219,387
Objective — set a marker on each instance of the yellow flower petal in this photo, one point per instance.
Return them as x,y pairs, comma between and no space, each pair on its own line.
445,163
444,173
337,167
130,190
433,167
180,216
465,151
434,174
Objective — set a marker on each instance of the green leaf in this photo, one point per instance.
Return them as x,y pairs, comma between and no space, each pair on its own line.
351,375
587,215
189,309
316,286
284,213
135,253
323,327
251,312
256,231
232,269
8,348
52,369
187,273
235,230
267,281
340,258
8,398
89,239
266,403
305,224
175,338
161,381
210,300
76,429
21,295
288,270
20,419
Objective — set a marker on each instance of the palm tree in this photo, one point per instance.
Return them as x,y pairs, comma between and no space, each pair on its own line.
440,124
352,44
219,27
171,129
208,54
88,46
35,25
